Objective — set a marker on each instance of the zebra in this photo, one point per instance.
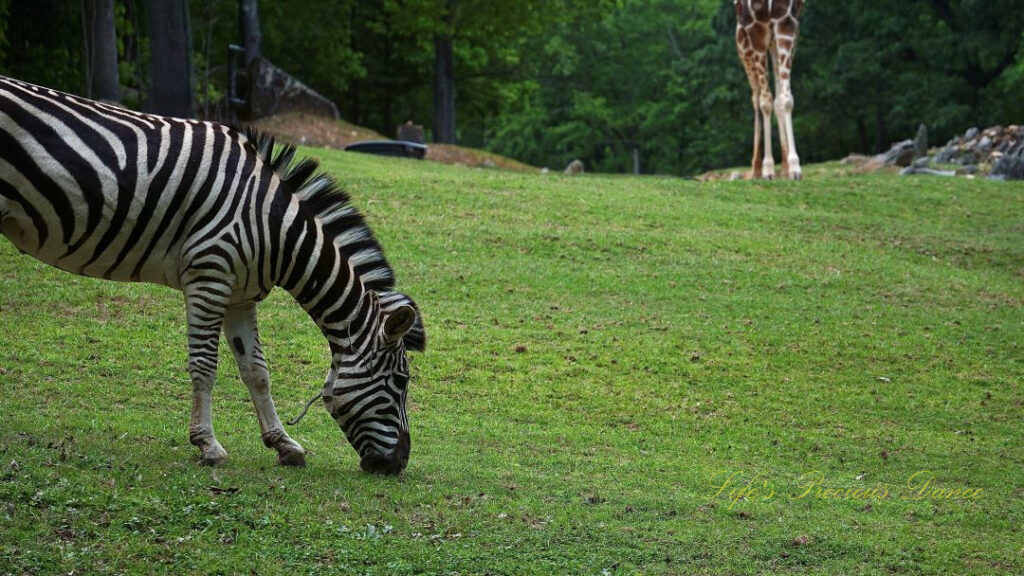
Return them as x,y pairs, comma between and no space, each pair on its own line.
224,217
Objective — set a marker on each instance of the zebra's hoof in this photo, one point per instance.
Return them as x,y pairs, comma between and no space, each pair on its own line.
212,454
295,458
212,459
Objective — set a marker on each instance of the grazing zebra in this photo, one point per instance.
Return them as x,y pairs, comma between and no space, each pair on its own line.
224,217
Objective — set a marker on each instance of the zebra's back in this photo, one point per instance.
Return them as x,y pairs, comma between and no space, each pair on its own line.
106,192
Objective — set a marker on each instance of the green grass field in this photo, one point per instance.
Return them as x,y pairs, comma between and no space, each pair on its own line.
624,375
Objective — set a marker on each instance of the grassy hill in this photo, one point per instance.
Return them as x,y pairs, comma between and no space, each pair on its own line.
624,375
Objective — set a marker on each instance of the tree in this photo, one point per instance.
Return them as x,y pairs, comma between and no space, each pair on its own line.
171,91
102,81
444,76
249,24
4,13
44,43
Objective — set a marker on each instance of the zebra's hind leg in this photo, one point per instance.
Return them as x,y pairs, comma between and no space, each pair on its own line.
205,303
240,327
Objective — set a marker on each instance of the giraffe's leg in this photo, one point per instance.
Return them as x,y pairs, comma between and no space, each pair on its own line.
780,117
784,103
243,336
756,165
784,48
205,302
766,105
747,57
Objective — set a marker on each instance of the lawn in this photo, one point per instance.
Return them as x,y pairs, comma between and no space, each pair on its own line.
624,375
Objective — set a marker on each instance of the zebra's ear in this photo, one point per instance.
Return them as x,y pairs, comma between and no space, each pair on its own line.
398,323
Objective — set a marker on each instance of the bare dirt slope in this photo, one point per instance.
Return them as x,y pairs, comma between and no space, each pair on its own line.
309,130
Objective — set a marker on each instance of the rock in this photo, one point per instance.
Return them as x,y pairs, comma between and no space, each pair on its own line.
984,146
921,142
1008,168
901,154
920,166
410,133
274,91
545,170
970,134
735,175
575,167
923,171
945,156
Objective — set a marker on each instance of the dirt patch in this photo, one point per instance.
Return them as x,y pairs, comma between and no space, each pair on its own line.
452,154
310,130
318,131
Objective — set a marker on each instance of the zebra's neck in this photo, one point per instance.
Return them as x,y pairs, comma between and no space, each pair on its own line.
324,254
320,276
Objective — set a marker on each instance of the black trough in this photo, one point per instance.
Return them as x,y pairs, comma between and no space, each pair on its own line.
400,148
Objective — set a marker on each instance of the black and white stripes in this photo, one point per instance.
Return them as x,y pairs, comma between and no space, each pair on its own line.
224,217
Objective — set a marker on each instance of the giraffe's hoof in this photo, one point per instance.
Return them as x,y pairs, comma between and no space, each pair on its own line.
797,175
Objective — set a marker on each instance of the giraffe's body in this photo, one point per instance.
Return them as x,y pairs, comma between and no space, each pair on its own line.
766,27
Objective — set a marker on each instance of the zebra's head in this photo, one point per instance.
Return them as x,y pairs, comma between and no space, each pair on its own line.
367,386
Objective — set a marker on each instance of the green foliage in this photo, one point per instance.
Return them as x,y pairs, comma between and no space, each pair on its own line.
603,351
44,44
630,80
868,73
667,76
311,39
4,15
547,81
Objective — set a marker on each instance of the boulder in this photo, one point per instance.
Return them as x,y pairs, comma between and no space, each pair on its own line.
921,142
901,154
410,133
575,167
1008,168
274,91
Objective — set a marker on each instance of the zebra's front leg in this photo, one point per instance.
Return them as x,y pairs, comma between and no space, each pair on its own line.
205,311
241,330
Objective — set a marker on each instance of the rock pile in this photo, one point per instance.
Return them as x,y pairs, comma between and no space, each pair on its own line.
983,146
998,150
1000,146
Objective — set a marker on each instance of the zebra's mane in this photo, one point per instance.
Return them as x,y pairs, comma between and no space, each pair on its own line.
320,193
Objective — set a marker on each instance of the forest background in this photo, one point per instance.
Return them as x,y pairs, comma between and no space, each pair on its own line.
647,85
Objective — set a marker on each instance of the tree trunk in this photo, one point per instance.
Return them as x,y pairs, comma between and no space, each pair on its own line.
444,80
101,50
171,92
249,23
881,133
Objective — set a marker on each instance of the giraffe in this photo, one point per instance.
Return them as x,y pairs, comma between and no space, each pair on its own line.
770,27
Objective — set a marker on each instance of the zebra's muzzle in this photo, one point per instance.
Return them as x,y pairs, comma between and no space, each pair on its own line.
388,464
